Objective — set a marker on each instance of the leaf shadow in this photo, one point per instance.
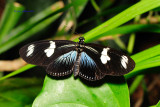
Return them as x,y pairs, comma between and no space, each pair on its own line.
107,79
60,77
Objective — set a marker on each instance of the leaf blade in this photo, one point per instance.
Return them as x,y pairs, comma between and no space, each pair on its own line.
56,92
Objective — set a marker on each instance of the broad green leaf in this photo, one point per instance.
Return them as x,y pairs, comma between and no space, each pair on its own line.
72,92
18,92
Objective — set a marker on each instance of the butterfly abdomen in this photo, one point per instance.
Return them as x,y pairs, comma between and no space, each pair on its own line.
76,65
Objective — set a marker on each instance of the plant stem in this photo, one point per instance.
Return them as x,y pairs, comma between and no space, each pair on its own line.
96,7
135,84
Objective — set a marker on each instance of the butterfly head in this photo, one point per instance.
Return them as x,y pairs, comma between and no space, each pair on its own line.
81,40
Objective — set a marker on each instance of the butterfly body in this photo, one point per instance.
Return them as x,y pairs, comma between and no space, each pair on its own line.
87,60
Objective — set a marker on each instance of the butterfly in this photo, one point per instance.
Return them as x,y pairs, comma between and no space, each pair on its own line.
87,60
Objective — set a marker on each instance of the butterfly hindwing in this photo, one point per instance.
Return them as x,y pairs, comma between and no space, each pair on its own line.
42,53
63,65
108,60
88,68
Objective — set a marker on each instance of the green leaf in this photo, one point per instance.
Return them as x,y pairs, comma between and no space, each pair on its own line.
10,17
132,29
158,104
18,92
30,27
73,92
19,38
29,66
95,5
147,54
149,63
135,84
146,59
131,43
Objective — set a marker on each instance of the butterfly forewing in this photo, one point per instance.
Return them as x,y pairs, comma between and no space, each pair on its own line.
120,63
44,52
108,60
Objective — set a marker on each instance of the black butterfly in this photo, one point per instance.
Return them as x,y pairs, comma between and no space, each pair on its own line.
89,61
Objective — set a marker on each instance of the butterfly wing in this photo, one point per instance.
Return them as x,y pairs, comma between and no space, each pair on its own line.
42,53
109,61
62,65
88,68
60,56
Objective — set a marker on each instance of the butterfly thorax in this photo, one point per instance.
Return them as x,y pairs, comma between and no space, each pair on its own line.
80,44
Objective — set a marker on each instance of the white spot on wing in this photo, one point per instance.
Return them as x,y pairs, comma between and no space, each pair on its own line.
104,56
124,61
30,50
50,50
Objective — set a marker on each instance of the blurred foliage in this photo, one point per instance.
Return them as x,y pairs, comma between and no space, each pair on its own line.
19,92
56,19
